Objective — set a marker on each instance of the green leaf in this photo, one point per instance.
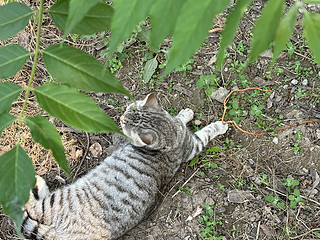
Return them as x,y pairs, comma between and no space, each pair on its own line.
13,18
284,32
127,14
77,11
74,108
163,17
296,192
8,93
149,69
97,19
228,33
311,24
268,198
266,27
12,59
80,70
191,29
5,120
281,205
45,133
17,177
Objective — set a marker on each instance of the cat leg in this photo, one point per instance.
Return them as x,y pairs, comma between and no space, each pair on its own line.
33,211
32,229
202,137
185,115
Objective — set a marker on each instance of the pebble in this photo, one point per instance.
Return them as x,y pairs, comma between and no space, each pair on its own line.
275,140
294,82
220,94
305,82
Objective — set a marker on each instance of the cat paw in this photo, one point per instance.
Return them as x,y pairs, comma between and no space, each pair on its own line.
39,191
220,127
186,115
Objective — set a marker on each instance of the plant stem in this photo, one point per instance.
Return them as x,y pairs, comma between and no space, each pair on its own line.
35,60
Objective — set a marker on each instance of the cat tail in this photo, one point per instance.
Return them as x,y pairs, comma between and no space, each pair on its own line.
32,229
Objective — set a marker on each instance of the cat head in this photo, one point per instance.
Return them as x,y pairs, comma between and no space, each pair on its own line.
146,124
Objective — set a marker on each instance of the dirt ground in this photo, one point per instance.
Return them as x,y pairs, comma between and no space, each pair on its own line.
224,194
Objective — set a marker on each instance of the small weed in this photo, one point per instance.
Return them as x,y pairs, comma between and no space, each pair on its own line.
183,189
317,234
208,82
295,198
276,201
251,187
114,64
296,148
290,49
236,112
209,222
228,144
256,110
221,187
290,182
264,179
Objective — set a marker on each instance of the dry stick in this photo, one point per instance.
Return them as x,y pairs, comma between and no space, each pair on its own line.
264,132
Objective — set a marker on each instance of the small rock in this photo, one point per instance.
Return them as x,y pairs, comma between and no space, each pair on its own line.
285,86
261,82
95,149
318,133
220,210
210,201
238,196
294,82
275,140
305,82
220,94
267,54
212,60
197,122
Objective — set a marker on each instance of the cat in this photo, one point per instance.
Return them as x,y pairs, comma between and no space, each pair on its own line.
116,195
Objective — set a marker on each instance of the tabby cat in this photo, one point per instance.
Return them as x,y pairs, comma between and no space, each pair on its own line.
115,196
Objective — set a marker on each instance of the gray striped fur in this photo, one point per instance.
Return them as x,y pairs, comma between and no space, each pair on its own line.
115,196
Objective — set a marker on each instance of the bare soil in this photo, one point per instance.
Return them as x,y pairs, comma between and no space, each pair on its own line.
249,168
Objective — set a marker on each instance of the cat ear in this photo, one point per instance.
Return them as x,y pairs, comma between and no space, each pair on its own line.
151,101
146,138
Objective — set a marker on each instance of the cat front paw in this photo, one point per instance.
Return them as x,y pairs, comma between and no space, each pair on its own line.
186,115
220,127
39,191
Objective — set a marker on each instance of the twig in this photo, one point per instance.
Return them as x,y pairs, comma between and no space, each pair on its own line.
83,157
192,175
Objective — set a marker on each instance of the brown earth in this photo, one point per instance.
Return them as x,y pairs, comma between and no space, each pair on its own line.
248,169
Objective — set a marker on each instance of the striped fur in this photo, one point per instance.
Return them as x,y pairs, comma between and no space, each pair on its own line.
115,196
